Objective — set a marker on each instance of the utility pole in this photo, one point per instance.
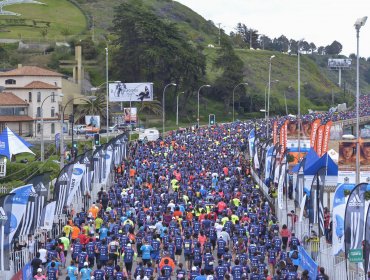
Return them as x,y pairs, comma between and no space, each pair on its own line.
219,34
250,38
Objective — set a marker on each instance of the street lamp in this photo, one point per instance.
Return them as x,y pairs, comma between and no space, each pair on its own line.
107,88
177,107
163,106
198,101
234,98
359,23
268,99
42,125
299,100
91,98
267,84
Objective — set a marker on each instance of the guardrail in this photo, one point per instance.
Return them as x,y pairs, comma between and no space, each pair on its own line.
364,119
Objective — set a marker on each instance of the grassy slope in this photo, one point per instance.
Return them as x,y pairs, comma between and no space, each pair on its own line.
72,19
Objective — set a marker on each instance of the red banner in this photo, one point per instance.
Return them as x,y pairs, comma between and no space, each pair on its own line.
319,138
283,136
275,132
314,126
326,138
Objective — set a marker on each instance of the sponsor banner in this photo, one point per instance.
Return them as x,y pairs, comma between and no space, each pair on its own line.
365,162
347,163
130,115
5,223
354,219
307,263
57,141
108,163
367,241
314,127
275,132
281,187
19,208
319,138
339,208
326,138
316,200
47,216
92,121
303,203
61,188
251,139
268,162
130,92
78,171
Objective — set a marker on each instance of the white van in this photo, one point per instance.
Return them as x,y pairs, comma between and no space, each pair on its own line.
149,134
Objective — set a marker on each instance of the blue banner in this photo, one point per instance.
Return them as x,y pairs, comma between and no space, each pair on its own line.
251,138
308,263
27,272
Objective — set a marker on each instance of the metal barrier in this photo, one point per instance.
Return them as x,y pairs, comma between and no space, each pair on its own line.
19,259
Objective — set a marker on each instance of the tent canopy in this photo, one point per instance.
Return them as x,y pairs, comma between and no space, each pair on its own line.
325,160
12,144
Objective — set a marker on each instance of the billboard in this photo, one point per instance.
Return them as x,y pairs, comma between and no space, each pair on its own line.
93,121
339,62
347,162
131,92
365,162
130,115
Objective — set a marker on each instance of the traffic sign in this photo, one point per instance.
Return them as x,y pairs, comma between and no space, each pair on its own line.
355,255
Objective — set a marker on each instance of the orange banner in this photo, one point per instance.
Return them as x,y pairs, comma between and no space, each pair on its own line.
319,138
326,138
314,126
275,132
283,136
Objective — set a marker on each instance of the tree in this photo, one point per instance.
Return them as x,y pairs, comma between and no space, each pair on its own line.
321,50
312,47
265,42
334,49
246,34
150,49
232,71
305,46
92,107
293,46
281,44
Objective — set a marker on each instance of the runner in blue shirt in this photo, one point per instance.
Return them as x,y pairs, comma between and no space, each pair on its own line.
119,275
181,272
221,245
146,249
237,271
52,272
103,252
86,272
99,274
72,271
128,258
220,270
149,271
188,248
90,249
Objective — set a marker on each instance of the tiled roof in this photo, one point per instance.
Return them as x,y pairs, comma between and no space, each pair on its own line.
30,71
9,99
40,85
15,119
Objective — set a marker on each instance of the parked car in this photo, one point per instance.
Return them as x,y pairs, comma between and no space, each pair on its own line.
79,129
114,128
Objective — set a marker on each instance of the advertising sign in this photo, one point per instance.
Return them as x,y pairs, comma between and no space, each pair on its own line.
365,162
339,63
347,163
130,92
93,121
130,115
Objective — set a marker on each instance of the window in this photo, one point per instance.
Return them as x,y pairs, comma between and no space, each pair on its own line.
38,113
52,113
52,97
10,82
38,96
53,128
38,127
30,97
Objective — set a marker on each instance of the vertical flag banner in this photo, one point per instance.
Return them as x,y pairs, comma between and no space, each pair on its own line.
268,162
61,188
107,163
365,161
339,208
314,127
275,132
319,138
308,263
284,136
5,220
354,220
47,216
367,241
20,205
41,186
326,138
316,198
78,171
281,186
251,138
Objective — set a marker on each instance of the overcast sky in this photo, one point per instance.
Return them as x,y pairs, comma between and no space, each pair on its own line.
318,21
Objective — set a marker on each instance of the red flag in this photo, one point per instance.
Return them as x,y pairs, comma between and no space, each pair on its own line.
314,126
275,132
326,138
319,137
283,136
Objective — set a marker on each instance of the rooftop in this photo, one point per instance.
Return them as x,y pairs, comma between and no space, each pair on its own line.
9,99
30,71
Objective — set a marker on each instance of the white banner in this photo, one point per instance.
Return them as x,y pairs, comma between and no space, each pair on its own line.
47,216
281,187
77,174
93,121
268,162
108,163
119,92
303,202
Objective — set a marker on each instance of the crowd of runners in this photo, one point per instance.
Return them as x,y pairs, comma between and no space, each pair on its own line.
183,207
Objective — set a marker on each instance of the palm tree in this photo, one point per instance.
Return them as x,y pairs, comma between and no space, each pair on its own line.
151,107
96,107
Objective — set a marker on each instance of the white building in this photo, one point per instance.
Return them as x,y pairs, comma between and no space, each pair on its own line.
39,88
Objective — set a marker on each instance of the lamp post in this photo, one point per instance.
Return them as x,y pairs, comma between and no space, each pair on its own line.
267,84
164,107
359,23
177,108
61,126
42,125
234,98
107,87
268,99
299,100
198,101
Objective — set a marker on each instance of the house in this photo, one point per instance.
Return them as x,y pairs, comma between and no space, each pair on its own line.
33,91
